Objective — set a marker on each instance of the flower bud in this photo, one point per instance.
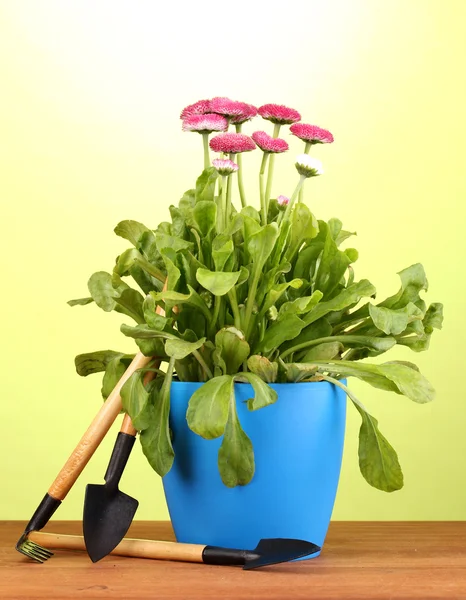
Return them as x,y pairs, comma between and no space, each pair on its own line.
272,313
308,166
207,297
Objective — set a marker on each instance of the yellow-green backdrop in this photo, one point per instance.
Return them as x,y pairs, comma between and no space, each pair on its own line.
90,135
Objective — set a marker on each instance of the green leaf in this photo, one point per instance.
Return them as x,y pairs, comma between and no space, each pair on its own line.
296,372
261,244
413,280
102,291
263,368
344,299
151,317
179,349
208,407
113,373
131,303
325,351
391,376
222,249
134,399
281,331
218,283
378,460
205,184
193,299
410,382
236,456
94,362
304,227
131,231
434,317
264,395
394,322
170,242
332,267
299,306
205,216
80,301
276,293
380,344
319,329
144,332
232,348
155,439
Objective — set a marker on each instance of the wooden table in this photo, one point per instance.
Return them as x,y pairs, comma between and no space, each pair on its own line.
370,560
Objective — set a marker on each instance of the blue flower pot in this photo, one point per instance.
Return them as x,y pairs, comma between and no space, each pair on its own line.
298,447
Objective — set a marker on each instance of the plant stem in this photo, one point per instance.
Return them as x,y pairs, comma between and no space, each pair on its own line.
234,307
167,380
229,186
293,197
239,161
261,187
213,322
307,148
331,338
250,303
205,139
268,190
197,355
341,385
224,202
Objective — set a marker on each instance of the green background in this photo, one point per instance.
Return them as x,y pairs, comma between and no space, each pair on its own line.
91,94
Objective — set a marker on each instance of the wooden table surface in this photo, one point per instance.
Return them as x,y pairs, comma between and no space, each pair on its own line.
360,560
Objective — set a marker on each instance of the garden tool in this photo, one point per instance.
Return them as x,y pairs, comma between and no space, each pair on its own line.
108,512
267,552
79,459
75,464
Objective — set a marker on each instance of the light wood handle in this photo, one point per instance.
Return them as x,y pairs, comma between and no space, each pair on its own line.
127,547
94,434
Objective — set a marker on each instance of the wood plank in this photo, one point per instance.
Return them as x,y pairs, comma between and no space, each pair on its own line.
370,560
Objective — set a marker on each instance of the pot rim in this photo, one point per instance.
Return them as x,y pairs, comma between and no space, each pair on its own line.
303,384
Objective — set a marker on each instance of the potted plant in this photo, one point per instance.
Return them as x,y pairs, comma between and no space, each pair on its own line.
263,323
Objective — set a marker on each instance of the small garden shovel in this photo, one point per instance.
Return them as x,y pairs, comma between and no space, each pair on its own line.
108,512
267,552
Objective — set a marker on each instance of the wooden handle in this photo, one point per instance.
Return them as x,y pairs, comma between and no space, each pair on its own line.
127,547
127,425
94,434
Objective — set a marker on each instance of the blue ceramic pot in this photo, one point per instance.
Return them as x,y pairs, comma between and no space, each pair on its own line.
298,446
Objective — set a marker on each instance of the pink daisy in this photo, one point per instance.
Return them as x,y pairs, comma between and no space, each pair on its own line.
283,200
226,107
269,144
198,108
311,133
232,143
248,112
225,166
277,113
205,123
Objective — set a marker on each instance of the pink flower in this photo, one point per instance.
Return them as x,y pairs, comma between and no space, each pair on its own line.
248,112
225,106
277,113
283,200
232,143
269,144
311,133
205,123
198,108
225,166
